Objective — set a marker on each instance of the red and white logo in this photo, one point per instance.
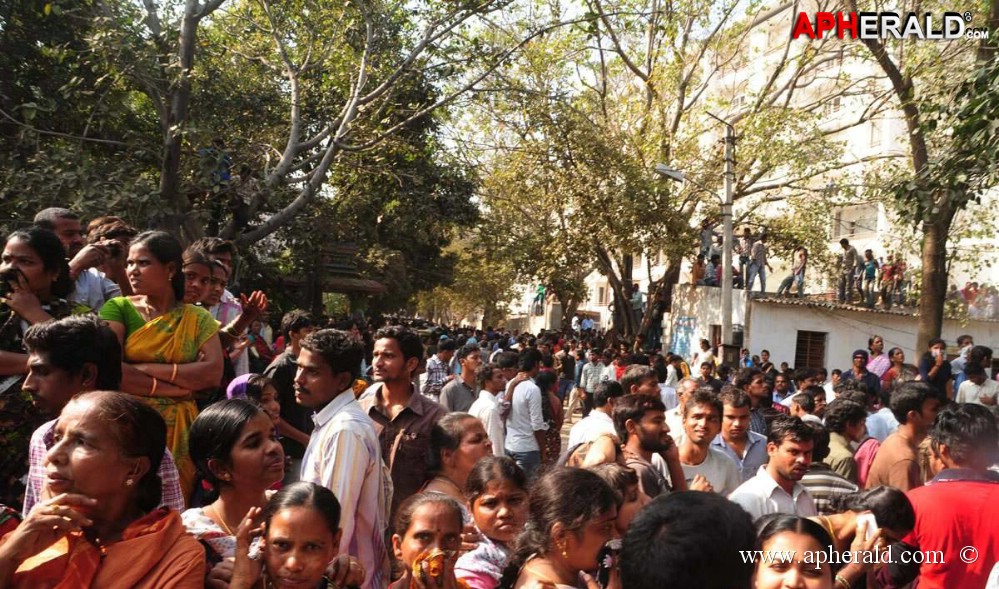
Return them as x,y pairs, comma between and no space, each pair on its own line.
885,25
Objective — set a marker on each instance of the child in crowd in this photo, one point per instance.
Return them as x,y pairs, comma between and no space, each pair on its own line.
427,537
301,532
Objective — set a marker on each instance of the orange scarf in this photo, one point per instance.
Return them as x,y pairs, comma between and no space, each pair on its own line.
73,561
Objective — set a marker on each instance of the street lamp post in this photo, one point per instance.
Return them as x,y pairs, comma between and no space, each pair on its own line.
727,244
726,212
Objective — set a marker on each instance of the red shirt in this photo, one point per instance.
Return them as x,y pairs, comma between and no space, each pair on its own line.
955,510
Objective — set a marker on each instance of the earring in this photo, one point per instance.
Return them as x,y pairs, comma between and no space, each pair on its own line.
562,549
129,482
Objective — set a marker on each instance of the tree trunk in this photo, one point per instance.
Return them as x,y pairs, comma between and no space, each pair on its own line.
569,308
623,323
490,315
660,296
177,100
934,280
569,304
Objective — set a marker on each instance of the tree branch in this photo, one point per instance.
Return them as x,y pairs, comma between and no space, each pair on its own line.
453,95
644,76
13,120
429,37
763,187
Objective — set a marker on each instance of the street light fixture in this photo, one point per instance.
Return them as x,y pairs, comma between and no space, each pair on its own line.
726,212
672,174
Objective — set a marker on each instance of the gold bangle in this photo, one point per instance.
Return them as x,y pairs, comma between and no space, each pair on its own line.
173,377
842,582
152,391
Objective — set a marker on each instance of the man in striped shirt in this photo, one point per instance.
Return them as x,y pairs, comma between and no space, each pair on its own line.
68,357
822,482
343,453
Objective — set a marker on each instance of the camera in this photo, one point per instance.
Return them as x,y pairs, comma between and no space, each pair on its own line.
8,278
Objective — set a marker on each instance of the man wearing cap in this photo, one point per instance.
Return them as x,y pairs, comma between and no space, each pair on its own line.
859,373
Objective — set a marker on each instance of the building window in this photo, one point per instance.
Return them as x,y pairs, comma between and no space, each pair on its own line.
855,221
716,340
810,350
601,295
875,140
833,106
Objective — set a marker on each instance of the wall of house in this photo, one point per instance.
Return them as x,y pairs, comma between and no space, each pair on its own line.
527,321
775,327
695,310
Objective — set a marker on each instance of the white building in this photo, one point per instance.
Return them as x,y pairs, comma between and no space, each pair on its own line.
802,332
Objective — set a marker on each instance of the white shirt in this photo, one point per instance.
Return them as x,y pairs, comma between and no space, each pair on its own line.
957,364
970,392
344,456
591,427
525,418
93,290
830,393
659,463
718,468
668,396
674,420
672,379
881,424
610,373
761,495
487,409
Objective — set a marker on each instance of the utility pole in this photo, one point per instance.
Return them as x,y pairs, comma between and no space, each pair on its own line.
726,212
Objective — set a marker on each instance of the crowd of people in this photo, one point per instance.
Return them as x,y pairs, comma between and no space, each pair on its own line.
978,301
153,433
863,279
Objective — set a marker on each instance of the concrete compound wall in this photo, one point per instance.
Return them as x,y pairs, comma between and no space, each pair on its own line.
775,327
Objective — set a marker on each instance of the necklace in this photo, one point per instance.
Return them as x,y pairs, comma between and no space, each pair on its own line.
530,569
450,482
102,548
221,520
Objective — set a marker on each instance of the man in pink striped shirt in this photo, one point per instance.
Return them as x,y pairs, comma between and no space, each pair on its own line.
65,358
343,454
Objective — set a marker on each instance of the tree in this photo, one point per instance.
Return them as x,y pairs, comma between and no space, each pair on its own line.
342,73
639,80
529,221
483,284
951,122
217,81
67,134
349,98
